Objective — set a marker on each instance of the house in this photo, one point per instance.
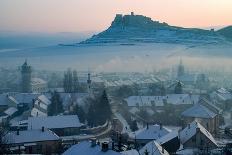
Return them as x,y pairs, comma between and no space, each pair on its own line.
62,125
90,148
196,136
170,142
153,148
25,100
203,115
40,107
221,94
38,85
7,101
39,141
149,133
159,101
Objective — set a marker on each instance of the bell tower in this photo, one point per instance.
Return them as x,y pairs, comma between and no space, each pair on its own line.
26,78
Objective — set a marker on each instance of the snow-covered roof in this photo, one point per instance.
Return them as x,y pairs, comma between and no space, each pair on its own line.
4,98
198,111
130,152
175,99
29,136
44,99
10,111
26,97
54,122
187,78
222,94
223,91
167,137
152,132
188,132
85,148
153,148
36,81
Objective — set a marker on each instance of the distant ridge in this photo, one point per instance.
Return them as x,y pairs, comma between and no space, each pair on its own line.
226,32
131,29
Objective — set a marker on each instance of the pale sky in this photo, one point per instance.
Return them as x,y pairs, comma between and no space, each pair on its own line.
96,15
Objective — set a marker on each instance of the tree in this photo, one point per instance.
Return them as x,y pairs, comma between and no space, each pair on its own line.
70,82
75,82
56,106
134,125
104,109
178,88
99,110
78,110
3,131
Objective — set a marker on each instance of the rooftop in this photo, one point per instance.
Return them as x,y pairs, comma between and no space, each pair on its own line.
151,132
54,122
198,111
29,136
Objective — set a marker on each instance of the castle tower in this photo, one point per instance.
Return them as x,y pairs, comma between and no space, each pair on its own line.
180,70
89,83
26,78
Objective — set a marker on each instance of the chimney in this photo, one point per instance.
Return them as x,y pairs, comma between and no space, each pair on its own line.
163,150
93,142
146,152
105,146
17,131
42,128
147,126
161,126
188,126
197,130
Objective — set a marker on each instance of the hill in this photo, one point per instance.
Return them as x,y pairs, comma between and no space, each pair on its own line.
226,32
130,29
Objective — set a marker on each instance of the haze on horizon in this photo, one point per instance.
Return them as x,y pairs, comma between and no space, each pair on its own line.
96,15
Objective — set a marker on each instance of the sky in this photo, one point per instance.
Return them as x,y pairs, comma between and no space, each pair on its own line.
96,15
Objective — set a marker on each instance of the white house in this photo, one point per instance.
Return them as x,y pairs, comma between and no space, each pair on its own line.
196,136
40,107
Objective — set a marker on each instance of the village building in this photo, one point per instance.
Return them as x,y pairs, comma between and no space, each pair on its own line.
38,85
170,142
200,113
92,148
153,148
7,101
40,106
38,141
149,133
63,125
196,136
160,101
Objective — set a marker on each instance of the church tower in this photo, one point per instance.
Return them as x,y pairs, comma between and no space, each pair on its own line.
180,69
26,78
89,83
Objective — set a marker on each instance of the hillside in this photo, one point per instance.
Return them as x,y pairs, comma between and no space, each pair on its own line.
226,32
141,29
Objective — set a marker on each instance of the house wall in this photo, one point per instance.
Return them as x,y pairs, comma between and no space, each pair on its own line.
200,141
45,147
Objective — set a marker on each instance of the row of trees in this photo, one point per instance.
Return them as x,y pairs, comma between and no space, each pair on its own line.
70,82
